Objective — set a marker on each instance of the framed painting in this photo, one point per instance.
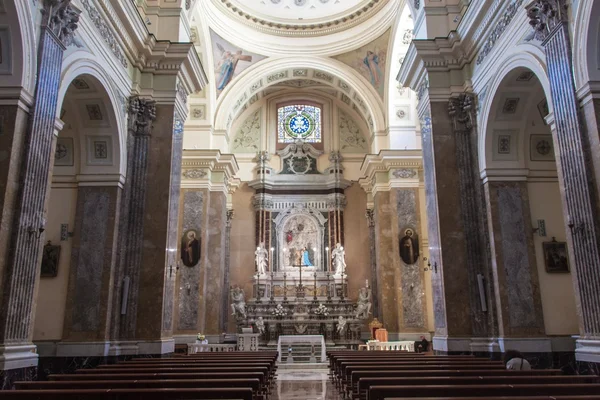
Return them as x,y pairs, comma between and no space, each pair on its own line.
50,260
556,257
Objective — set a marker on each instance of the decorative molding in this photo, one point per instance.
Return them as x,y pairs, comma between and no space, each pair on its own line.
105,32
544,15
499,29
247,137
62,19
196,173
141,114
404,173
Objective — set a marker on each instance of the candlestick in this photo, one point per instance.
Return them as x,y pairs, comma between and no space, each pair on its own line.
272,294
327,257
328,286
258,287
315,296
271,259
285,287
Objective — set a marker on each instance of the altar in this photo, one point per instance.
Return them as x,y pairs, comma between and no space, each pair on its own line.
304,339
300,285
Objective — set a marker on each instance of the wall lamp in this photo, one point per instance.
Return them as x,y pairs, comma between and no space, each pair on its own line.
37,232
576,227
429,268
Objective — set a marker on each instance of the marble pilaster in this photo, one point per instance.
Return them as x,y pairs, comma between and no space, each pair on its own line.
20,270
370,214
93,259
574,161
226,273
389,296
518,299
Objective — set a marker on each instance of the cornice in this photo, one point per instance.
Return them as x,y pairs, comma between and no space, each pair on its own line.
212,160
283,27
407,164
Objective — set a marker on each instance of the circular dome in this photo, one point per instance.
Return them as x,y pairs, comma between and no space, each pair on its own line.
298,10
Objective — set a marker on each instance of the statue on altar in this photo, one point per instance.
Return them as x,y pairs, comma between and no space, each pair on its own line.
363,307
261,257
238,306
339,262
260,325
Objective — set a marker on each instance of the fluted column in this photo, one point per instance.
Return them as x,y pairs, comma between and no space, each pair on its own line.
549,19
21,271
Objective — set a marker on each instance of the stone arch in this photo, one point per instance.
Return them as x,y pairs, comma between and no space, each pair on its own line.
530,58
75,66
586,43
262,70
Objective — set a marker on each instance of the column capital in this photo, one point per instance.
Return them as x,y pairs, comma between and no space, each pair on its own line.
545,15
462,112
141,114
61,18
370,215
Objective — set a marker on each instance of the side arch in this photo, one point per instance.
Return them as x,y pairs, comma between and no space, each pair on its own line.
586,43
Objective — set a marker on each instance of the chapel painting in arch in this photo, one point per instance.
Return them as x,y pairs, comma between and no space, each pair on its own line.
229,61
370,61
301,237
190,248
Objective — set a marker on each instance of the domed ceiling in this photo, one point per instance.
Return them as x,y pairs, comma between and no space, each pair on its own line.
298,10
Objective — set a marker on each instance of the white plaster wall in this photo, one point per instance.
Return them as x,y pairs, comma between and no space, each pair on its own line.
558,297
52,295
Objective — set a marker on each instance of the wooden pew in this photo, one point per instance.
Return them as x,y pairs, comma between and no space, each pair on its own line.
365,383
129,394
385,391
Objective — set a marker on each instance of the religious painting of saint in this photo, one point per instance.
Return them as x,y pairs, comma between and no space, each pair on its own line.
556,257
190,248
50,259
409,247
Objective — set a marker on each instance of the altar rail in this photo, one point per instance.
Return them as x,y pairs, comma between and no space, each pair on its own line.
210,348
404,345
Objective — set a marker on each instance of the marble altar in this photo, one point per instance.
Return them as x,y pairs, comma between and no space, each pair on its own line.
303,339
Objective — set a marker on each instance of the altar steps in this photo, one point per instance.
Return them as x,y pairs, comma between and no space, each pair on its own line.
301,356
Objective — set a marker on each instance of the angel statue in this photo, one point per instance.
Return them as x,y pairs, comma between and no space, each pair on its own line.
339,262
238,306
226,67
260,325
341,325
261,257
363,308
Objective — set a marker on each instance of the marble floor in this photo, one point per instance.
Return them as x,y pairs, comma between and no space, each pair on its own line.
304,384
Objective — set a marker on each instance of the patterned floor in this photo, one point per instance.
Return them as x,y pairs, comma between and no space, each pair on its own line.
304,384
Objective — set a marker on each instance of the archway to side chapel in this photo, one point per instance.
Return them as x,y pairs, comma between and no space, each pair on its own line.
534,292
74,301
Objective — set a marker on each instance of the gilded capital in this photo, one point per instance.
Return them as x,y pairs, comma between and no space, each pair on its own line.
544,15
462,109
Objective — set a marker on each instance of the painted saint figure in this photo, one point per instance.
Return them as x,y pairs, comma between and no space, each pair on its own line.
190,249
372,63
305,258
409,247
226,67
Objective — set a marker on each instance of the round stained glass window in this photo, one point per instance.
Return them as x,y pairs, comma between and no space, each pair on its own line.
299,125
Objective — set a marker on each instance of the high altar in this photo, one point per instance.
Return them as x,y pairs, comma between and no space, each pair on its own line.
300,284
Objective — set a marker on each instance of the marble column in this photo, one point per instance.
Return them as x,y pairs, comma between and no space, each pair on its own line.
389,289
518,298
226,272
457,238
214,260
149,224
93,258
20,270
370,214
549,19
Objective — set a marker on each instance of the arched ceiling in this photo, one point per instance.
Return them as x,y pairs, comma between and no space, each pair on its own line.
297,11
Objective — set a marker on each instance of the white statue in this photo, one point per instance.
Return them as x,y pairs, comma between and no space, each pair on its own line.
339,262
260,325
239,302
341,325
363,308
261,257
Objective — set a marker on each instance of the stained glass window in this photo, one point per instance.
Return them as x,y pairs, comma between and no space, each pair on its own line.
298,122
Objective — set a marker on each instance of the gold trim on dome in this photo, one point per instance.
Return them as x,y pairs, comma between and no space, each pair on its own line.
315,28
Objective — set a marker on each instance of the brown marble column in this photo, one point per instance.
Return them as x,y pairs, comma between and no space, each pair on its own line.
370,214
457,238
549,19
93,258
518,299
32,161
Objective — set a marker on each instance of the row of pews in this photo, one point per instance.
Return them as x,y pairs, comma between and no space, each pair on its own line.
235,375
379,375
